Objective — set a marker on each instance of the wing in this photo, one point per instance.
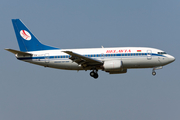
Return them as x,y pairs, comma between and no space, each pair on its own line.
83,60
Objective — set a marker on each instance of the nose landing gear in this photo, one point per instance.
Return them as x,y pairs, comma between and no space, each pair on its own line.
156,68
94,74
153,73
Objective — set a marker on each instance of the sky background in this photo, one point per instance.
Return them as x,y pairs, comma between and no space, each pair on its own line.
31,92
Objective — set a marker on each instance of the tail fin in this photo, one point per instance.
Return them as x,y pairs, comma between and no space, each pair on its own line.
26,40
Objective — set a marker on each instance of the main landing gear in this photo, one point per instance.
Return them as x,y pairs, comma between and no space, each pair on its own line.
94,74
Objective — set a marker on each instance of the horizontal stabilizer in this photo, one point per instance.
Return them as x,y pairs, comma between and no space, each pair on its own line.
18,53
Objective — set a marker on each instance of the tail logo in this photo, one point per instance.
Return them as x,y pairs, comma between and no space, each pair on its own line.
24,34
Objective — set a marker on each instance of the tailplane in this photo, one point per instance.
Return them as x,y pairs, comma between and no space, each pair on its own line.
26,40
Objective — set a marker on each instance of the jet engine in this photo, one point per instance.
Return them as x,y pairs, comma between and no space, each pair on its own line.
114,67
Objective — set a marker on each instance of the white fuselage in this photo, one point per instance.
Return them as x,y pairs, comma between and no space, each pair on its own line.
131,57
112,60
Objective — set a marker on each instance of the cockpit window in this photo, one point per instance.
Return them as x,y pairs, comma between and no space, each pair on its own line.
161,53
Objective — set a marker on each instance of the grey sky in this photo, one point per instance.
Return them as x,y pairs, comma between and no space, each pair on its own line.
30,92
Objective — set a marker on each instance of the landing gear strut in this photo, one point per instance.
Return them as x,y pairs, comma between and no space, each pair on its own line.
94,74
156,68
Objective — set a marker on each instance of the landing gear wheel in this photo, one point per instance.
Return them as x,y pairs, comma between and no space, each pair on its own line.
153,73
94,74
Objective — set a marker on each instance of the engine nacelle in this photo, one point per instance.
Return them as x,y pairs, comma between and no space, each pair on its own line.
118,72
112,65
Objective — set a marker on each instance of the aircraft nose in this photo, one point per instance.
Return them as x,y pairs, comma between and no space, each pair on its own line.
171,58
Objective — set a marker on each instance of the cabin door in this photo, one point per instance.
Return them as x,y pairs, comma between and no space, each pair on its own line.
46,57
149,54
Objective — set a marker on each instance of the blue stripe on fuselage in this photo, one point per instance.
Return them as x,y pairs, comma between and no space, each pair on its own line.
93,56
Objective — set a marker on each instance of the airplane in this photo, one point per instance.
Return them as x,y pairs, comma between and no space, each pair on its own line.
114,60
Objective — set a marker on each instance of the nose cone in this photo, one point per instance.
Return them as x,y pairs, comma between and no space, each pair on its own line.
171,58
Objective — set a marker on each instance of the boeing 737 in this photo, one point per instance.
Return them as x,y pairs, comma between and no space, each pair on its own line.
115,60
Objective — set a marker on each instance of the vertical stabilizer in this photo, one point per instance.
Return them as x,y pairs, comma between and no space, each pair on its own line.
26,40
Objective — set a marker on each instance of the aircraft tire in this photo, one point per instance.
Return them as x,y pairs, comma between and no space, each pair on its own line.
92,74
154,73
96,75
